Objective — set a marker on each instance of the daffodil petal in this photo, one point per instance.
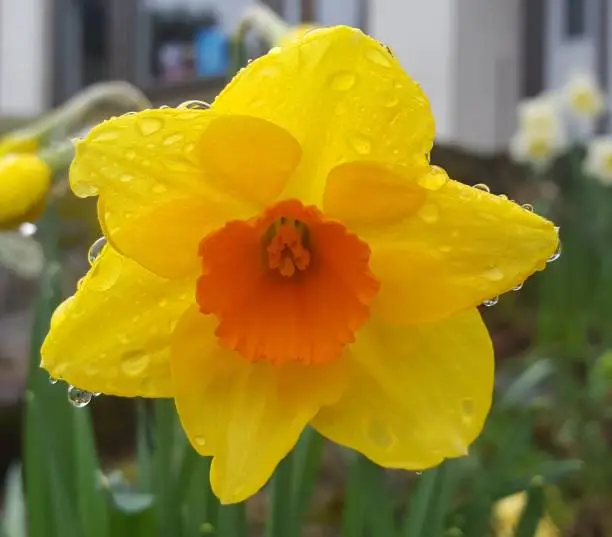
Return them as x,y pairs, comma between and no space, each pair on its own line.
461,247
342,96
168,177
416,394
247,415
113,335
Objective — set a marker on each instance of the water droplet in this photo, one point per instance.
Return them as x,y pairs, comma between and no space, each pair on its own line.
391,101
343,81
159,188
518,287
494,274
27,229
467,409
361,144
105,136
130,154
173,139
428,213
483,187
200,441
134,362
491,302
378,57
77,397
418,473
96,249
84,189
194,105
103,276
379,433
445,248
503,197
189,147
556,254
435,179
528,207
53,380
96,394
149,125
126,177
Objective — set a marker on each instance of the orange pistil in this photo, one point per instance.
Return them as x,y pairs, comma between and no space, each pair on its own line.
286,251
287,286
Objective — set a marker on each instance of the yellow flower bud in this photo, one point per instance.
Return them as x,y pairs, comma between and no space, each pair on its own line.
12,144
24,182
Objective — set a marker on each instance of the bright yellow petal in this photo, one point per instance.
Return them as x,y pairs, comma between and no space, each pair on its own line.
247,415
417,394
342,96
113,335
168,177
458,247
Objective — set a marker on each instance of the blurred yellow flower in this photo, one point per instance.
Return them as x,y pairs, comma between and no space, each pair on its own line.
507,513
289,257
24,182
598,161
584,97
540,135
13,144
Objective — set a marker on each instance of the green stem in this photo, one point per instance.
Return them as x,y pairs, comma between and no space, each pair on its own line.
281,520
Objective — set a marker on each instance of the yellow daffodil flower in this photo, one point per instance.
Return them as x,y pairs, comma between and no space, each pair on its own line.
295,33
24,182
17,144
584,97
507,513
598,161
287,258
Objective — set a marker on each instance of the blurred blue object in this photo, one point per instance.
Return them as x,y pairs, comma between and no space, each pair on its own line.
212,52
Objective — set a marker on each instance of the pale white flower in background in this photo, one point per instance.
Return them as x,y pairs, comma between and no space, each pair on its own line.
541,133
598,161
583,97
507,513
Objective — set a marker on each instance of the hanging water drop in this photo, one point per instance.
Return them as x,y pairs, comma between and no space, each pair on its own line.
556,254
528,207
194,105
518,287
96,394
95,250
491,302
483,187
503,197
53,380
78,398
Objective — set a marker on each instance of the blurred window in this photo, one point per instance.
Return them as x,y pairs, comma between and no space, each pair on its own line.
575,18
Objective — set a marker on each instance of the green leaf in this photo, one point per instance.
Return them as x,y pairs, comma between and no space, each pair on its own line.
306,460
132,514
231,521
421,501
281,521
523,388
21,254
353,514
533,511
200,504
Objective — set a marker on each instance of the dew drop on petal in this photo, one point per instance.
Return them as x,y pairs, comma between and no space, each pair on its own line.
126,177
96,394
103,276
428,213
467,409
53,380
130,154
361,144
96,249
77,397
106,136
377,57
379,433
27,229
483,187
494,274
149,125
173,139
491,302
503,197
200,441
556,254
158,188
343,81
134,362
435,179
194,105
528,207
518,287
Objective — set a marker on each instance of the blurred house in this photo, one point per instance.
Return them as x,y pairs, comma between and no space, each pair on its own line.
477,58
49,49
